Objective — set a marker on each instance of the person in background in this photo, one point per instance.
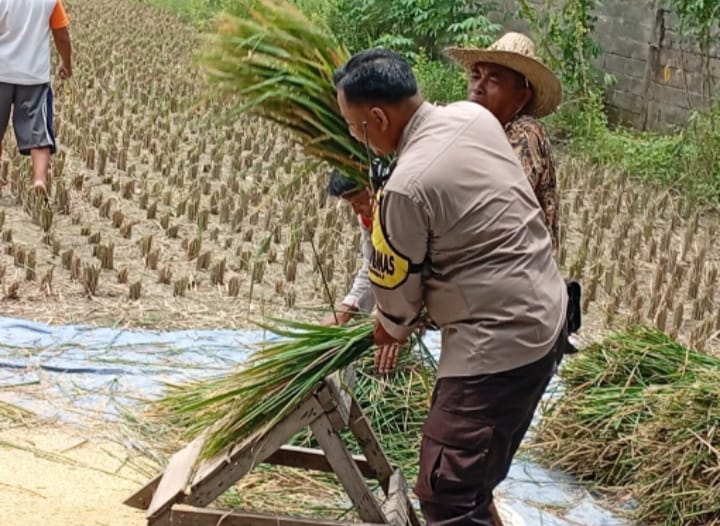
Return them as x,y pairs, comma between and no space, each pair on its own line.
457,229
509,80
518,89
360,297
25,28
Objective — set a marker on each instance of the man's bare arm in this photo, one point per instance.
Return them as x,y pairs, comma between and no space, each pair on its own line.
64,47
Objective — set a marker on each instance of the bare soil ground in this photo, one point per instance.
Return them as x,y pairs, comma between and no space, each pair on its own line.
167,213
51,474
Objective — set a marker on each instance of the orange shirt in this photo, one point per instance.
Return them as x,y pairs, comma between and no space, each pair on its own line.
59,18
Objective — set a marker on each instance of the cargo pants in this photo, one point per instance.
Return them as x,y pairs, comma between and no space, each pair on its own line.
471,435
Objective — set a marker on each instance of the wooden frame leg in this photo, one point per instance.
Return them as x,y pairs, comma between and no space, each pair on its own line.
178,496
347,471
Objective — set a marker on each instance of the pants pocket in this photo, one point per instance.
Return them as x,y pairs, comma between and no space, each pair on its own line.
453,459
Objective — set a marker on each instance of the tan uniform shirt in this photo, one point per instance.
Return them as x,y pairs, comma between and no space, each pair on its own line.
458,229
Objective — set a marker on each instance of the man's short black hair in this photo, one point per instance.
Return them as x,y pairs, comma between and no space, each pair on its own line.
376,76
339,185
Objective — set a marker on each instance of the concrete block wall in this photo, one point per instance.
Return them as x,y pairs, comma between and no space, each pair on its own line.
661,76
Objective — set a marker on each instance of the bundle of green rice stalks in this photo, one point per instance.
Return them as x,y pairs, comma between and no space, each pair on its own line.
272,382
396,405
641,415
280,65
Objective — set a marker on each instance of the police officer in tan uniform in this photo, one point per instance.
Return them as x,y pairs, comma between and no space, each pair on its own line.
458,230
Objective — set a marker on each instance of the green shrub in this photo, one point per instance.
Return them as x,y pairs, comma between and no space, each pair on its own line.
439,81
687,161
423,26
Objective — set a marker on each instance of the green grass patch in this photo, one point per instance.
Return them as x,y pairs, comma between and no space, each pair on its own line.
687,161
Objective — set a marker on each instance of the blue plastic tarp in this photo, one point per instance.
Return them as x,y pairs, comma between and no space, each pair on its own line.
82,370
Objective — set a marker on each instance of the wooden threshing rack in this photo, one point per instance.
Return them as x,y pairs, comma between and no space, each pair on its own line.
180,495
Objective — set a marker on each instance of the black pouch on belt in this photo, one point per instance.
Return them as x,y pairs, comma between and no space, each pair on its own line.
574,311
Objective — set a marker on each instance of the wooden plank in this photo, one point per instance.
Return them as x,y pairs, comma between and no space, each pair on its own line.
216,476
334,399
370,446
307,458
329,405
396,506
412,516
348,379
374,454
347,471
141,498
175,478
340,387
183,515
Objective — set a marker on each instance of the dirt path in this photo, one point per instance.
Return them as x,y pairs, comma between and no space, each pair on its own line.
57,475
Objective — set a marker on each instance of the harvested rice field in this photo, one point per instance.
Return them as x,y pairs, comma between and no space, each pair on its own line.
168,212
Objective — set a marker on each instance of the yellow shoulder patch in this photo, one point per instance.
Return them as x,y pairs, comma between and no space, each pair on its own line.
388,269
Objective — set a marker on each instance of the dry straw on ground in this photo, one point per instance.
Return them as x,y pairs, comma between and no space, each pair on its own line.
11,414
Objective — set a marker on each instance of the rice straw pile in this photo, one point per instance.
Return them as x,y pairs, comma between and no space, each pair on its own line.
13,414
641,415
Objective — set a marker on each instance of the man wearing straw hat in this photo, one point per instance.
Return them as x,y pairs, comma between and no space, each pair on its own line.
517,88
509,80
457,229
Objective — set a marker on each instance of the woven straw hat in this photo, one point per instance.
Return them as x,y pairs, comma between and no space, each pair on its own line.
517,52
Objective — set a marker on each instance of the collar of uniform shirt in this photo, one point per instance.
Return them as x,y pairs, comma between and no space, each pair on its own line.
416,120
